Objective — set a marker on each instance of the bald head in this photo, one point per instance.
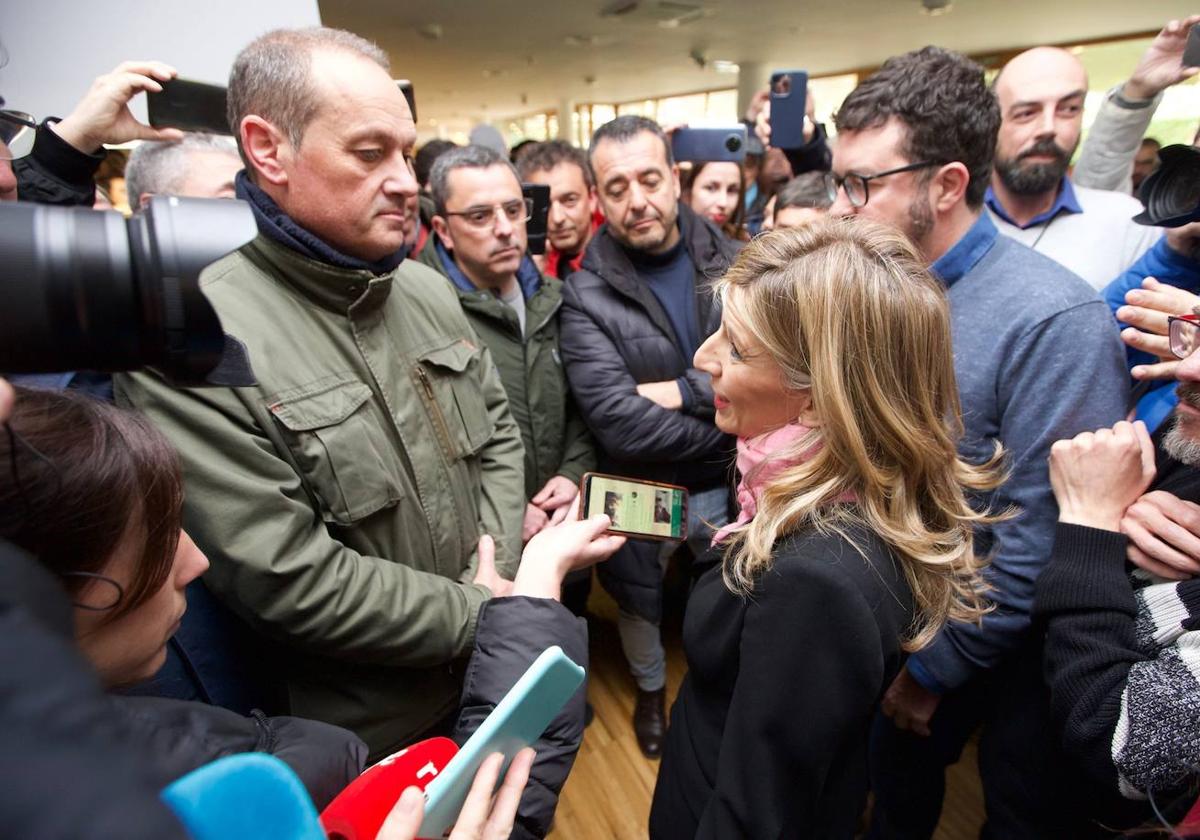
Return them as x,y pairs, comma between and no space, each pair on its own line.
1041,94
1038,70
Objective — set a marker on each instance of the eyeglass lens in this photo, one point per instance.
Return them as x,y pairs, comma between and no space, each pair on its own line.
1183,336
17,136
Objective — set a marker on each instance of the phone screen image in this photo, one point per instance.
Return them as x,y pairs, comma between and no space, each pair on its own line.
637,508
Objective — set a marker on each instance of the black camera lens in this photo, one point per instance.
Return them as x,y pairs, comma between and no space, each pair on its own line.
88,290
1171,194
733,143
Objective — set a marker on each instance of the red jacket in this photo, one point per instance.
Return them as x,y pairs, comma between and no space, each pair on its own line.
553,256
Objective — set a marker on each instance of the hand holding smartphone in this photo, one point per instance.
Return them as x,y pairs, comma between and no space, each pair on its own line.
638,509
189,106
517,722
789,94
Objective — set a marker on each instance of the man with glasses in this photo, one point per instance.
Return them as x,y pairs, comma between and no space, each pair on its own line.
1037,360
633,317
479,246
1122,649
342,499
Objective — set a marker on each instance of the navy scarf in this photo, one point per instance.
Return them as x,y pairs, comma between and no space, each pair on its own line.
279,226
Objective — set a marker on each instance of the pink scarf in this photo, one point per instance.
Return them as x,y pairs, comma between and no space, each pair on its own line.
757,467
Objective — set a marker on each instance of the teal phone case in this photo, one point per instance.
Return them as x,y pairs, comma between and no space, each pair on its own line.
517,722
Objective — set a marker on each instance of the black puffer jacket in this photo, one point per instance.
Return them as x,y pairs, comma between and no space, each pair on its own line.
512,632
616,335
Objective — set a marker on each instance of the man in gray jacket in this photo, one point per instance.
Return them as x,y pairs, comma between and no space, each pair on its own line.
1106,158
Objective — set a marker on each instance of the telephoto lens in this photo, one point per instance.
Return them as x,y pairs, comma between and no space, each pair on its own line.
90,290
1171,194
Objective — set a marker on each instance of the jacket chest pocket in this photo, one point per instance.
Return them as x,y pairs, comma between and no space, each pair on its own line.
341,448
448,383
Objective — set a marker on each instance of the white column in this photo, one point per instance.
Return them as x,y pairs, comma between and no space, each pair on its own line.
566,112
752,77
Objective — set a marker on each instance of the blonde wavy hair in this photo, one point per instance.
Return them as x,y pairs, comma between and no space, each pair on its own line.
846,308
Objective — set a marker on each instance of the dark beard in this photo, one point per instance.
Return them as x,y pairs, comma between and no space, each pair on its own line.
1034,179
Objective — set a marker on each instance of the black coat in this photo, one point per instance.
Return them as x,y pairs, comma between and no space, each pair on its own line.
768,736
512,632
55,172
65,771
615,335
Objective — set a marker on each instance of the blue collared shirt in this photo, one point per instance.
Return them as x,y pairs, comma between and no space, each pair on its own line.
528,276
1064,202
966,253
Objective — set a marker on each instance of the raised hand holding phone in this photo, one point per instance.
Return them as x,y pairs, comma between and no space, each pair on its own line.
518,720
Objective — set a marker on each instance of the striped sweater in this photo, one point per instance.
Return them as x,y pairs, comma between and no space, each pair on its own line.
1123,663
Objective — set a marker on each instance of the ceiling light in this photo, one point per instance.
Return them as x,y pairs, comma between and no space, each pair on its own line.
933,8
722,66
431,31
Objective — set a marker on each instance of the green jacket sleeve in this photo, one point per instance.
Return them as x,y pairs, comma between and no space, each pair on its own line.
579,451
274,561
502,506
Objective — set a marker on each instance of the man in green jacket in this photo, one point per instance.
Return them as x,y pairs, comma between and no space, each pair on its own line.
342,499
479,246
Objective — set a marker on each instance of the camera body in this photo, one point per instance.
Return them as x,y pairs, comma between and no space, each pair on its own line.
1171,195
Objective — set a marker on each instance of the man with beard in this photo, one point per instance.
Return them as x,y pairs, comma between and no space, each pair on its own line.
1123,650
1091,232
1037,360
633,317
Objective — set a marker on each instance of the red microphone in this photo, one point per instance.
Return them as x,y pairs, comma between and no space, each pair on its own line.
358,812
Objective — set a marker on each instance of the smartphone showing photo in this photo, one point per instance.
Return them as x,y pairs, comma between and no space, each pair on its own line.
640,509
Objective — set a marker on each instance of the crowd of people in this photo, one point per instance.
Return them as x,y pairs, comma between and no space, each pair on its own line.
934,395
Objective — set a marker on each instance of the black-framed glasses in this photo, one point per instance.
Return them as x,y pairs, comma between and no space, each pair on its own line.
1183,334
17,131
855,184
516,211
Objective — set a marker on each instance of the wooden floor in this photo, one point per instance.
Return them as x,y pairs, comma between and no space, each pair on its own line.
607,796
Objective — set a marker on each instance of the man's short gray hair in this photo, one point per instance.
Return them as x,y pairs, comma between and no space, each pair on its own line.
158,167
464,157
271,78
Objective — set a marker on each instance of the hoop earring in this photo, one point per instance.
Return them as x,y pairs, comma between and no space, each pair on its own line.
120,591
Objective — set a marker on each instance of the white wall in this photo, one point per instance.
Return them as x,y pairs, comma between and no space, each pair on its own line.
57,47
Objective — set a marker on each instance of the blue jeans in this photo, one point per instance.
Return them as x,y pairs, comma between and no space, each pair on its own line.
640,638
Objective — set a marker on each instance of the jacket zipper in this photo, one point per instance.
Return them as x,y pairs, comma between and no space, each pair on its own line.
443,430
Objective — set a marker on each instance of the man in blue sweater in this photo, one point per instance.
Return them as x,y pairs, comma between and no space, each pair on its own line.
1037,360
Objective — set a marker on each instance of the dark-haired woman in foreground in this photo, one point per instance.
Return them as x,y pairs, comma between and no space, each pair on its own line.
854,543
95,494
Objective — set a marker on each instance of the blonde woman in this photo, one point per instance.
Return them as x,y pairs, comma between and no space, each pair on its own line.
854,542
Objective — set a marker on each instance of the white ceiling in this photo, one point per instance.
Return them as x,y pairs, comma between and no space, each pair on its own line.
498,59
